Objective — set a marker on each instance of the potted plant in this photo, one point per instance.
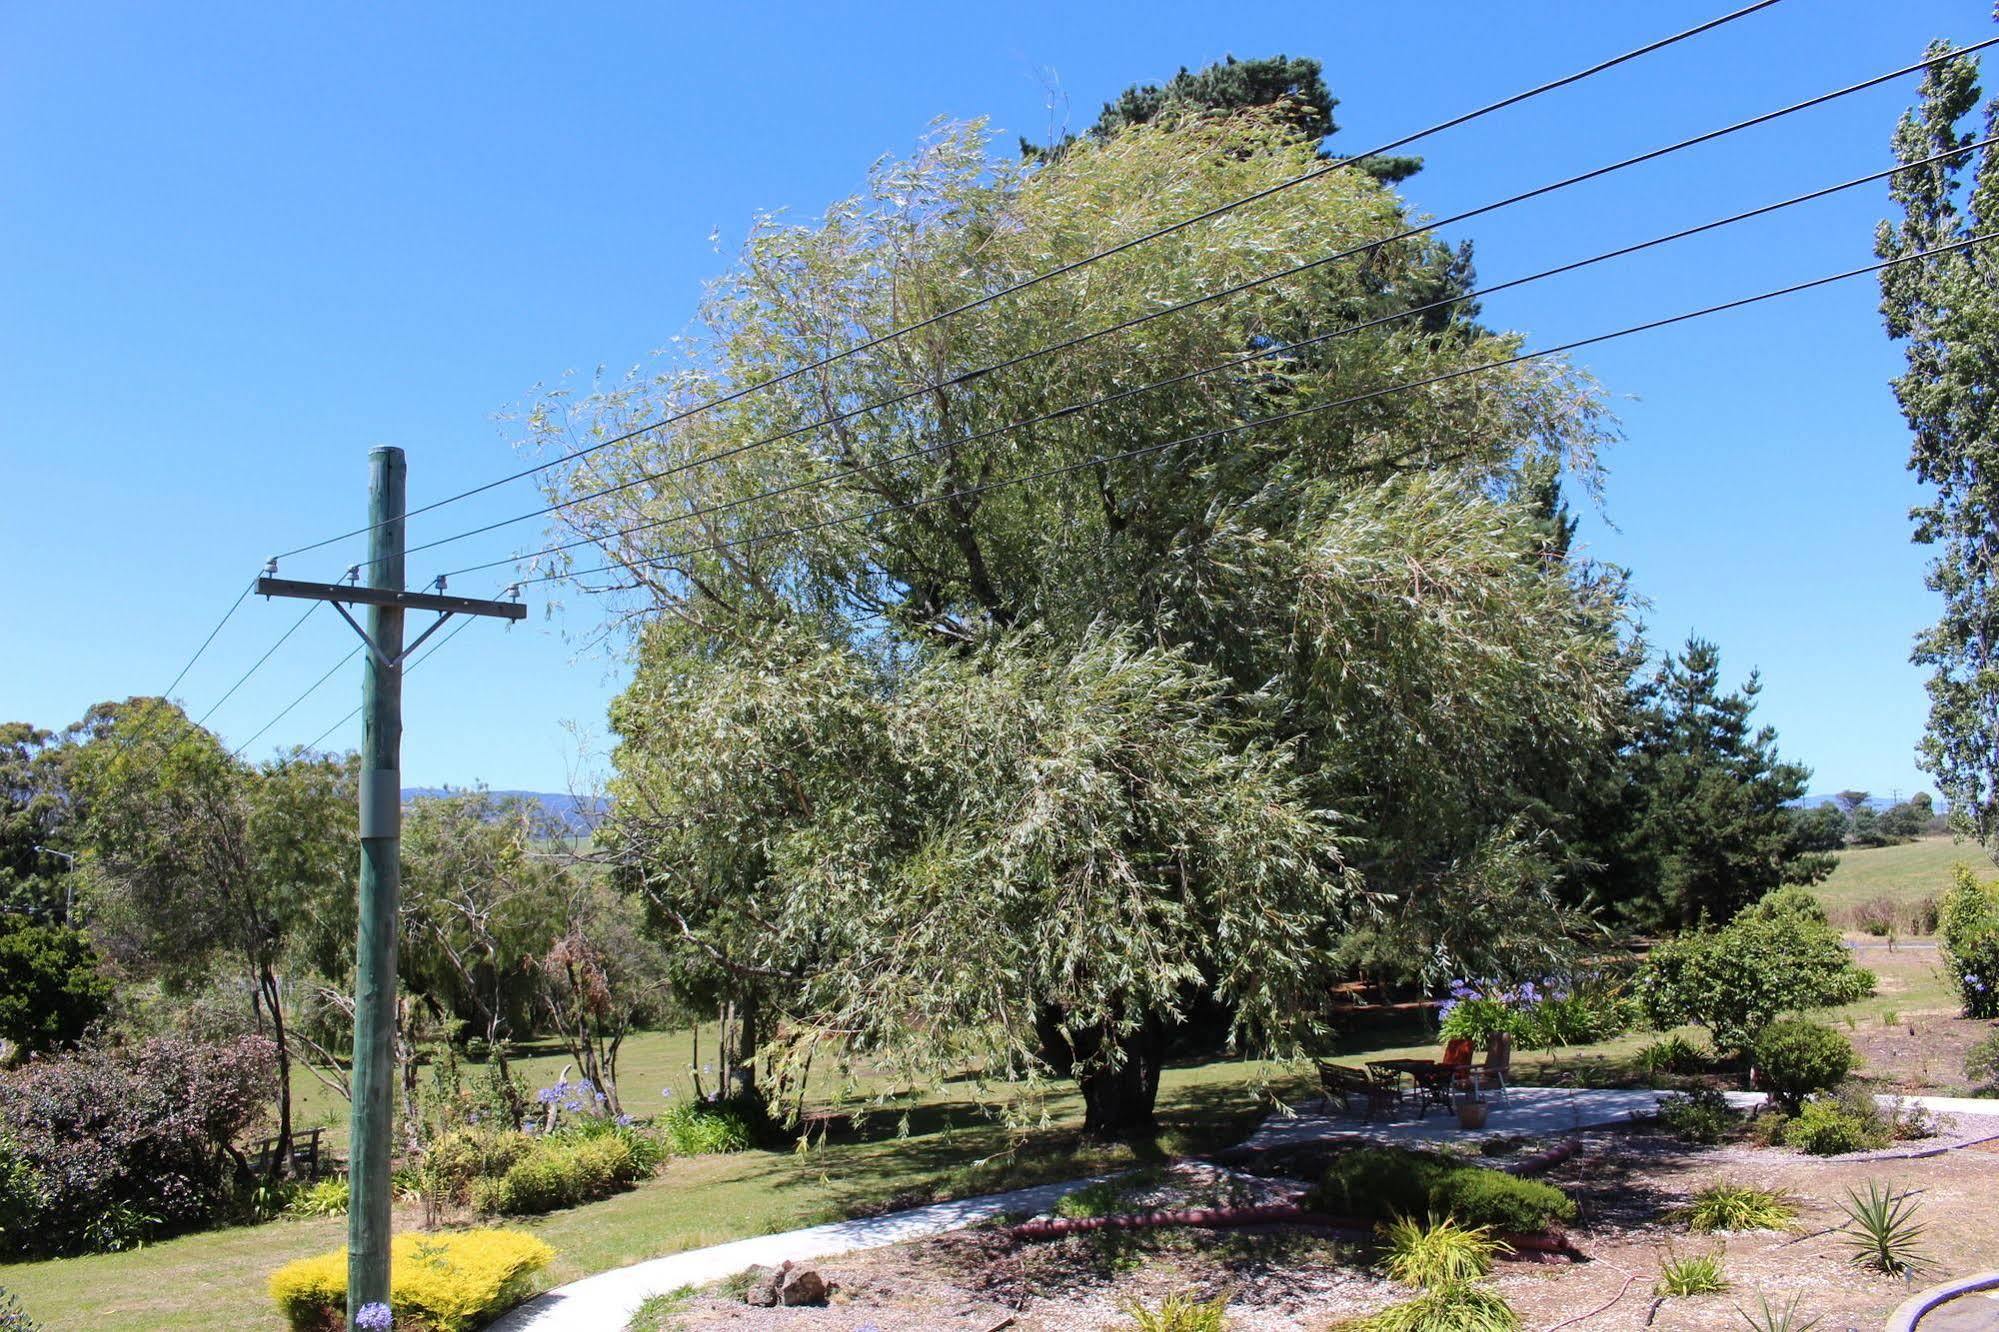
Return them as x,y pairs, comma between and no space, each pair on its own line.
1471,1104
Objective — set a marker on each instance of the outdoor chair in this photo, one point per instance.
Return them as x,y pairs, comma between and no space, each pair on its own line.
1498,1061
1457,1052
1355,1092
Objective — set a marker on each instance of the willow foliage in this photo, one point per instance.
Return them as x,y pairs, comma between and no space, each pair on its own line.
954,767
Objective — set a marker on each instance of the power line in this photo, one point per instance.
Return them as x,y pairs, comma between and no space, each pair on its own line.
420,660
1295,414
310,690
256,665
1073,265
1266,353
1068,344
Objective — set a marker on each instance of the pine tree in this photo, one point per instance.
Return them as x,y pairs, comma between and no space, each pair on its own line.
1708,828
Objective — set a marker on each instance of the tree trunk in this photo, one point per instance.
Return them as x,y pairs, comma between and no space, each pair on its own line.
1117,1072
281,1154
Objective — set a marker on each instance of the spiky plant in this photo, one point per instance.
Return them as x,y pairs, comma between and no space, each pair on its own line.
1463,1308
1694,1274
1181,1311
1882,1230
1769,1318
1730,1206
1438,1253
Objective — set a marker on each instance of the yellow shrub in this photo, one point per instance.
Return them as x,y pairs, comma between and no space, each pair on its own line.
437,1283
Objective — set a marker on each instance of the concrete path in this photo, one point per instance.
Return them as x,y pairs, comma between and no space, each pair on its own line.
603,1303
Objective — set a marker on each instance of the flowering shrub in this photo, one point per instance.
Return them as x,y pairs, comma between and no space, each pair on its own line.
1968,935
104,1149
1538,1014
13,1318
437,1283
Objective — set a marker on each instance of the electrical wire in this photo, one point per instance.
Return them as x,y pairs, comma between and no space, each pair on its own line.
422,657
1295,414
1073,265
310,690
1265,353
257,665
1069,344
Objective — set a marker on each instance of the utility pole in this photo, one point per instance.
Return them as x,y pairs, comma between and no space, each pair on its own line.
374,1075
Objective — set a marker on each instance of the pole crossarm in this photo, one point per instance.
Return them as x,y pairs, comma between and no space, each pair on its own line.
353,595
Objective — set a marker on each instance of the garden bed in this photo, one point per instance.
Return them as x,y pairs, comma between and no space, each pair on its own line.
1301,1278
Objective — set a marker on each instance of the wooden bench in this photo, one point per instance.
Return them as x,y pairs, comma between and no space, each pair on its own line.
1348,1088
306,1159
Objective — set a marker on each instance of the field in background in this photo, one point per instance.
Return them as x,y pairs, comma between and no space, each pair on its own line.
1905,874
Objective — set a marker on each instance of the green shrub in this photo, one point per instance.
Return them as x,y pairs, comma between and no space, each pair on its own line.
1968,942
1439,1253
1795,1058
51,989
1377,1183
691,1129
1778,956
1673,1054
1466,1308
326,1197
1769,1318
13,1318
1830,1126
1728,1206
1702,1116
560,1171
1181,1311
1981,1066
459,1158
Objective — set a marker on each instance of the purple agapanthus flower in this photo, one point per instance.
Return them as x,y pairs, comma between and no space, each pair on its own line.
572,1106
624,1121
666,1091
547,1095
375,1317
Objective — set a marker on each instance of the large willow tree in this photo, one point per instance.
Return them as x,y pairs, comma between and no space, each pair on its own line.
953,771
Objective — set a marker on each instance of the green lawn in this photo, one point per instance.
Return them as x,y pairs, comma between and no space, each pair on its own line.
215,1280
1905,873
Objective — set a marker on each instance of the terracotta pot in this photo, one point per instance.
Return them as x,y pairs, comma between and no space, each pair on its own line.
1471,1114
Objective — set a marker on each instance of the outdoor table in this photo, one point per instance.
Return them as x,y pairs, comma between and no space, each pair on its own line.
1432,1079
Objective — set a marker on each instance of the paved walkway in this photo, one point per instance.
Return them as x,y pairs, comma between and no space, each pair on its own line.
603,1303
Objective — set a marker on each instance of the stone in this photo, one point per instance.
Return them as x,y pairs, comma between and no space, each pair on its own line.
800,1285
762,1290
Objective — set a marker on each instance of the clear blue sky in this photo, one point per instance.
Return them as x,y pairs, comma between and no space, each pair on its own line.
241,243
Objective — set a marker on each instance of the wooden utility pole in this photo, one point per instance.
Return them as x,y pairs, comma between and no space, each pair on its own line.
374,1076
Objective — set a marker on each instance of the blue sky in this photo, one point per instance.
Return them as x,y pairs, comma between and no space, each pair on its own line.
240,244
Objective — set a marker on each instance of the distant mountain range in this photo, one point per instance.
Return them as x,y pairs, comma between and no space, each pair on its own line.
577,814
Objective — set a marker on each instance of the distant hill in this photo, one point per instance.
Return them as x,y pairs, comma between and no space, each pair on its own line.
578,815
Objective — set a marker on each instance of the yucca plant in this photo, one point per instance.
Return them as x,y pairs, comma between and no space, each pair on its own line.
1769,1318
1437,1254
1728,1206
1882,1230
1463,1308
1179,1312
1695,1274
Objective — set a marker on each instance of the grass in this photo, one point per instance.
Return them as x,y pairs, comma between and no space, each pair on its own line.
1441,1253
661,1313
1906,873
214,1281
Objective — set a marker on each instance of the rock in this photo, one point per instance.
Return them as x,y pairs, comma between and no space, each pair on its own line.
800,1285
762,1290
